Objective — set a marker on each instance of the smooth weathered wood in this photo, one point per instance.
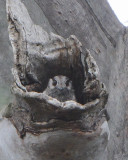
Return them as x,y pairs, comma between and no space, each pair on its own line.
64,145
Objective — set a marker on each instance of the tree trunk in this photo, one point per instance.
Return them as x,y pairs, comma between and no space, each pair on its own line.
97,28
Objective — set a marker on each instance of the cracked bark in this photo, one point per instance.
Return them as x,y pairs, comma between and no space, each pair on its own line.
111,39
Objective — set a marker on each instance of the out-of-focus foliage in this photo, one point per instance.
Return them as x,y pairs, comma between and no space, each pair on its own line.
5,96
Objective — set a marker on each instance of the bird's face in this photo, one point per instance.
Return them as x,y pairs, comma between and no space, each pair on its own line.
60,82
60,87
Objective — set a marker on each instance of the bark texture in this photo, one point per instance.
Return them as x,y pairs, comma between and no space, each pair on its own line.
96,26
6,58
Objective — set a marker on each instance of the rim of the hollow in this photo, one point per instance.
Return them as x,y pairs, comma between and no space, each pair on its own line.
66,105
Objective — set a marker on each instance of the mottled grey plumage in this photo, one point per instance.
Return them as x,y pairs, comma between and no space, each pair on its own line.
60,87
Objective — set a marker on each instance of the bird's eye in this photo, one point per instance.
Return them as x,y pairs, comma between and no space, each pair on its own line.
54,82
67,82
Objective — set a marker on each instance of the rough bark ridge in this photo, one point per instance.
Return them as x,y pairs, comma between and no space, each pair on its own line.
39,56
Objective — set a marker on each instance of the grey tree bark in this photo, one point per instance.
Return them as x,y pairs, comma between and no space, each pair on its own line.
97,28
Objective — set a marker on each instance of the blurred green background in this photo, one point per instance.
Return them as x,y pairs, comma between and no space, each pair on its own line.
5,96
6,58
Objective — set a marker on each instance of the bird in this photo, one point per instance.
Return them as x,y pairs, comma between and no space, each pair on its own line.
61,88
